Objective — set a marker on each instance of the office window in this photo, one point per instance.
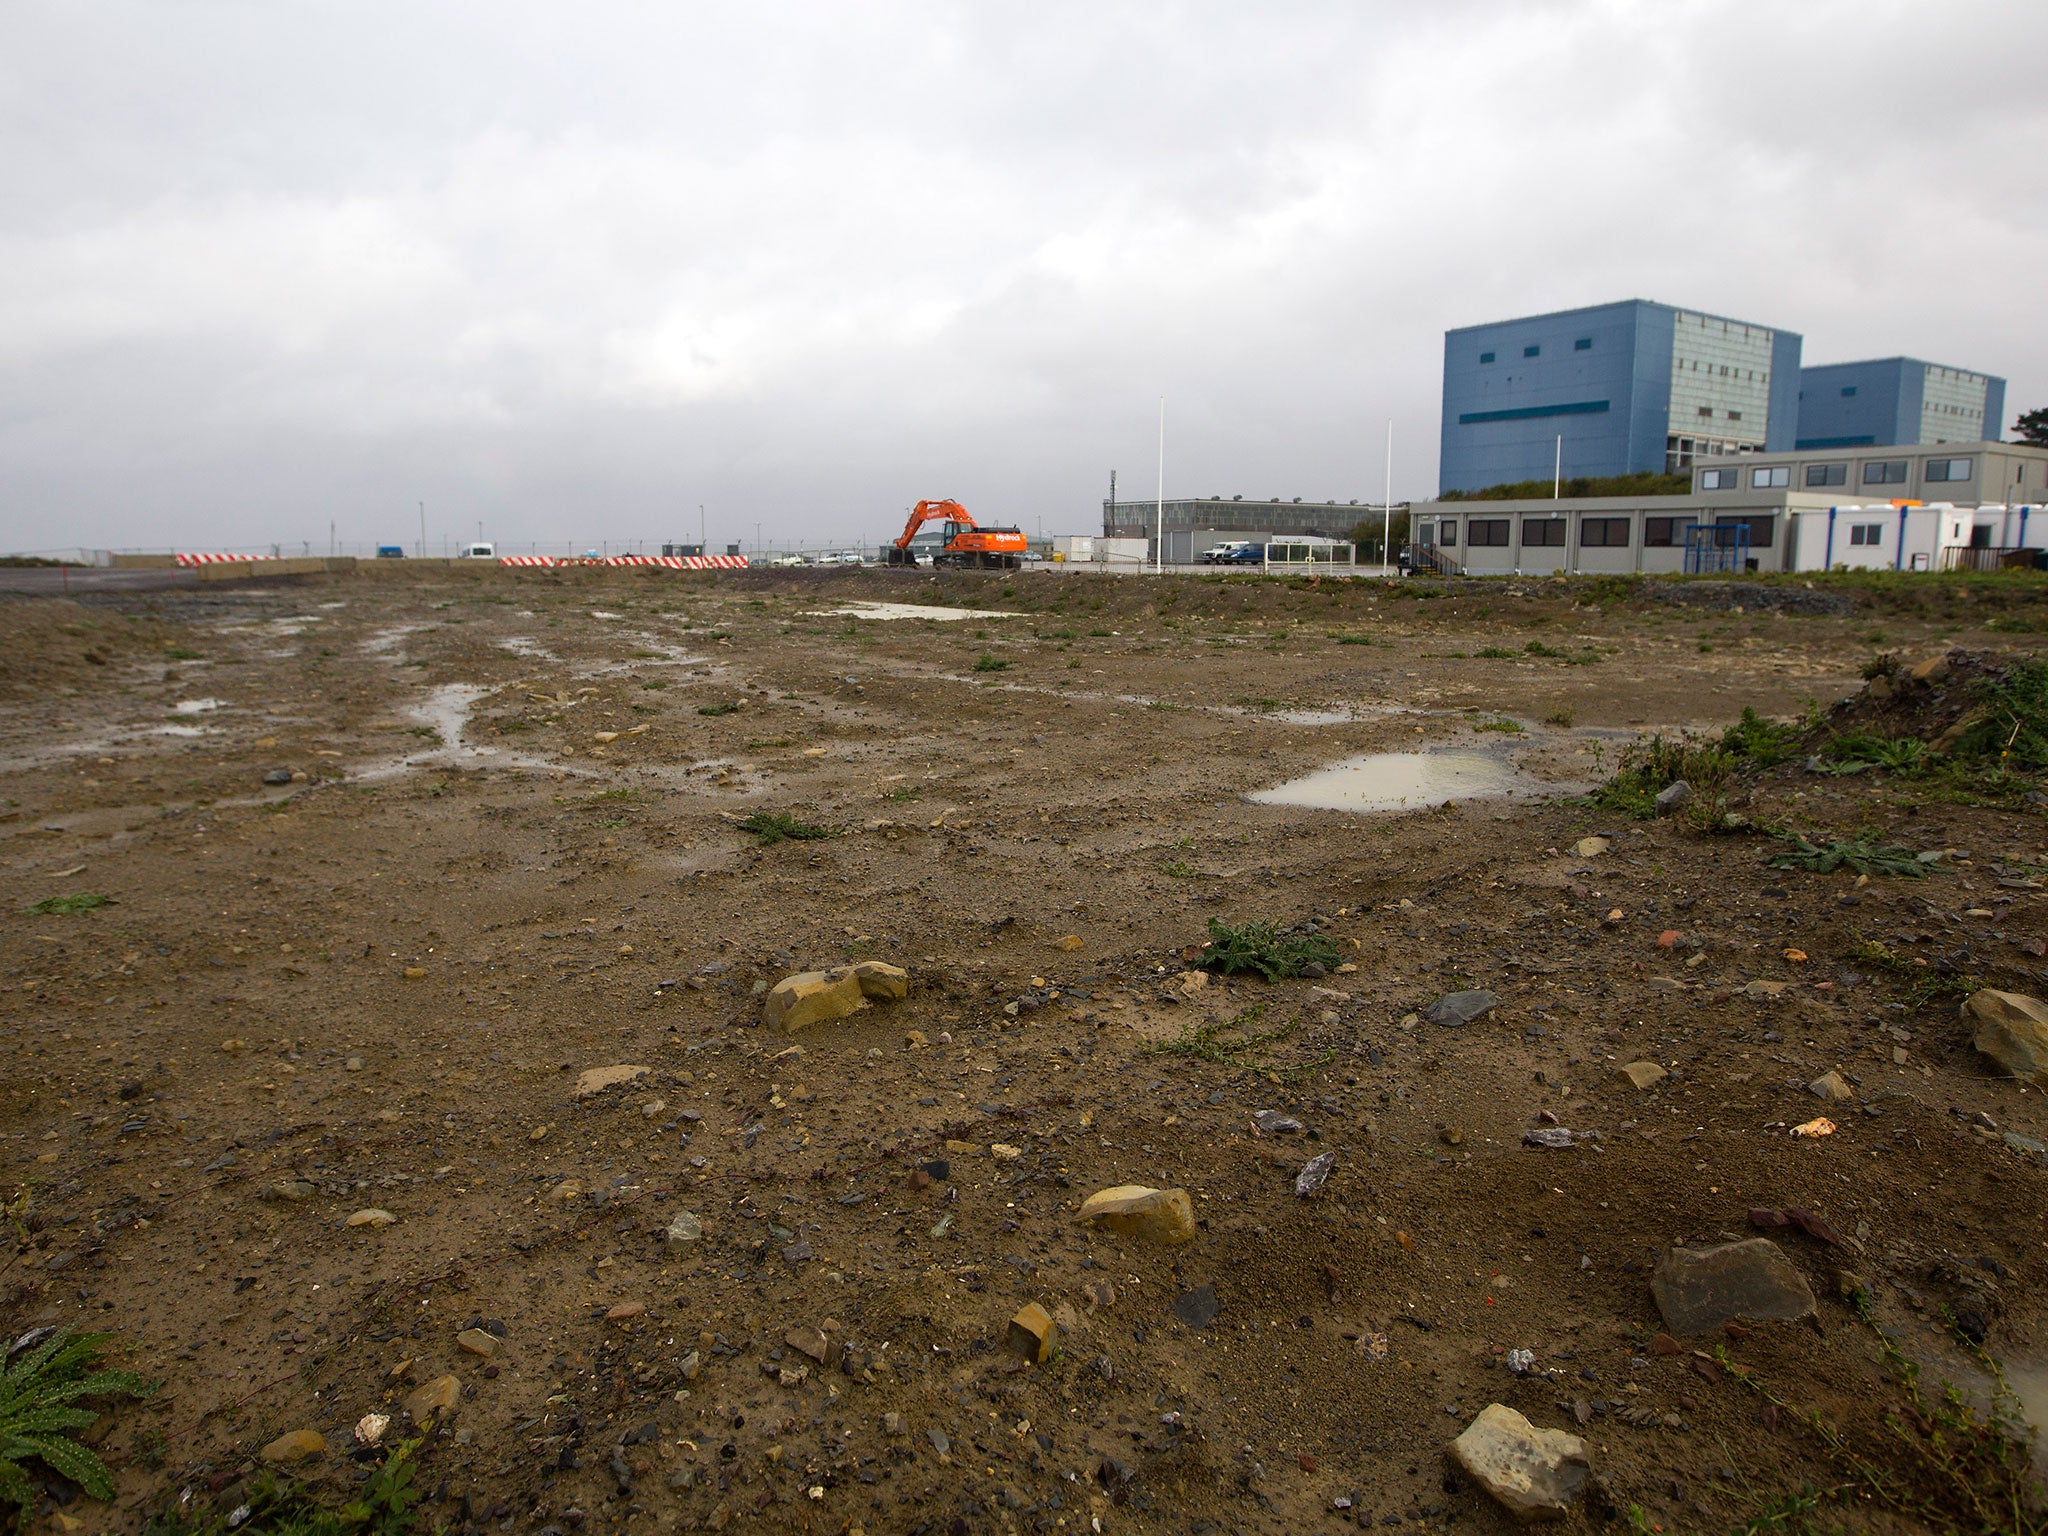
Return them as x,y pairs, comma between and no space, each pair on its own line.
1532,351
1761,529
1486,357
1827,474
1720,479
1664,532
1866,533
1583,344
1492,531
1706,410
1542,532
1447,531
1885,472
1735,415
1766,479
1848,391
1603,533
1948,469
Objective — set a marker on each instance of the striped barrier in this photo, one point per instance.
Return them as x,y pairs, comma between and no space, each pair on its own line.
526,560
219,559
544,562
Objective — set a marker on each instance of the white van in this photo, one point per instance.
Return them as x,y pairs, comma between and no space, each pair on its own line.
479,552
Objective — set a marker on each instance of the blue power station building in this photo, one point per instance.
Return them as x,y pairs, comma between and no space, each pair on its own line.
1897,400
1630,388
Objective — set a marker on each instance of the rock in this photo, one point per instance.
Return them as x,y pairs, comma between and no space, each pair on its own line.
290,1191
1699,1289
1313,1176
278,776
1455,1008
812,997
353,1064
370,1428
1815,1128
1521,1361
1930,671
1831,1085
299,1445
1197,1308
809,1341
625,1311
597,1079
567,1190
1032,1332
438,1396
880,980
1187,983
685,1228
2012,1029
1551,1138
1764,990
1534,1474
1069,942
1004,1153
1272,1123
652,1108
1644,1074
1673,797
1592,847
895,1424
479,1342
415,973
371,1218
692,1363
1159,1215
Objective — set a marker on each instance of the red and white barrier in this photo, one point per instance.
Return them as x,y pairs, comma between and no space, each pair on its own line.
219,559
526,560
663,562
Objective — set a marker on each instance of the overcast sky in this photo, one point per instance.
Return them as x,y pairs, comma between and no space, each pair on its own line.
572,270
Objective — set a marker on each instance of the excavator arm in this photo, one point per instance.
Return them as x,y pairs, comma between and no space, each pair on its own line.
925,511
967,545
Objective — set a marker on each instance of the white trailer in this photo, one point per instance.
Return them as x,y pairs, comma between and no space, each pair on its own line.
1935,536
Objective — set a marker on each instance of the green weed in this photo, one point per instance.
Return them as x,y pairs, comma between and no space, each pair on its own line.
383,1506
84,901
1497,653
1500,723
1224,1042
1859,854
1538,648
776,826
987,663
1262,947
39,1393
1561,717
720,709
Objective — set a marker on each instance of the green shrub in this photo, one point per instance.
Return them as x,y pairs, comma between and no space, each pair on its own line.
38,1394
1262,947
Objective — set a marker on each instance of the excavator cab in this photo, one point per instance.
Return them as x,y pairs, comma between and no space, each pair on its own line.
963,544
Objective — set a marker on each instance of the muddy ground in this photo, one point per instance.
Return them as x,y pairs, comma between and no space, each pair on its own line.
509,854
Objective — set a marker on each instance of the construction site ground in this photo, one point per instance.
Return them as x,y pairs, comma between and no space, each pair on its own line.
510,852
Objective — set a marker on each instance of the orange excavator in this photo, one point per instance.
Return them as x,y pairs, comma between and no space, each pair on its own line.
966,545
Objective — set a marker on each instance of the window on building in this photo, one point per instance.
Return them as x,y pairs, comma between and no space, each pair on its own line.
1447,531
1706,410
1486,357
1885,472
1866,533
1487,531
1775,475
1761,529
1735,415
1827,474
1583,344
1532,351
1603,533
1540,532
1720,479
1948,469
1664,532
1848,391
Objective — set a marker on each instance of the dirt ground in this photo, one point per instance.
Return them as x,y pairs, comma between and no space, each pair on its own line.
509,853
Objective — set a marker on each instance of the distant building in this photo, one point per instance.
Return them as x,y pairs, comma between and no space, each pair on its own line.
1630,388
1897,400
1193,523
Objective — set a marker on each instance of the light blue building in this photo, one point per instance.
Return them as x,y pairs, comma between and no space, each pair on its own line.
1897,400
1630,388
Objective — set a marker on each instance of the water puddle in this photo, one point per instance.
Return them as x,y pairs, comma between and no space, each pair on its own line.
909,611
183,730
195,706
519,645
1398,781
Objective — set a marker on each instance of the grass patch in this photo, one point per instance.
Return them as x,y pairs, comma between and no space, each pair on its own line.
779,826
39,1394
1561,717
1234,948
1925,984
1179,869
1859,854
65,906
1538,648
1229,1042
987,663
179,653
382,1506
719,709
1352,639
1500,723
1497,653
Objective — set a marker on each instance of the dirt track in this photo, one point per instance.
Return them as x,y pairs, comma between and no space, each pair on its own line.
513,857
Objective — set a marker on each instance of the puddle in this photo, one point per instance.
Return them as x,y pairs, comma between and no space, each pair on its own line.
447,710
384,640
1395,781
909,611
599,613
195,706
519,645
183,730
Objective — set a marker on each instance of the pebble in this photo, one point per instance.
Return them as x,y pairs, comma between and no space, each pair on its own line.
1533,1473
1315,1174
370,1428
438,1396
1553,1138
1197,1308
291,1191
685,1228
299,1445
353,1064
1003,1153
624,1311
1032,1332
1699,1289
371,1218
1644,1074
2012,1029
1831,1085
1135,1210
1456,1008
278,776
1272,1123
597,1079
479,1342
1592,847
567,1190
1673,796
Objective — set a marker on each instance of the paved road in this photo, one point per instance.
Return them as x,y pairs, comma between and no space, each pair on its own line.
42,581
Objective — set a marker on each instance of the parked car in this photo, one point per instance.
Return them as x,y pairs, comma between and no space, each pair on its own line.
390,551
1244,554
1216,553
479,552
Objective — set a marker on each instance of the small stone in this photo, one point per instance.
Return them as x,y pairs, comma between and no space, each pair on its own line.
1521,1361
1699,1289
1534,1474
299,1445
1003,1153
290,1191
1188,983
479,1342
1134,1210
1068,942
539,1133
1831,1085
625,1311
597,1079
1272,1123
353,1064
1032,1332
880,980
371,1218
809,1341
1644,1074
1197,1308
1668,939
415,972
1550,1138
1455,1008
684,1228
1673,797
915,1040
1764,990
1315,1174
278,776
2012,1029
438,1396
812,997
691,1364
370,1428
1592,847
652,1108
894,1424
567,1190
1931,670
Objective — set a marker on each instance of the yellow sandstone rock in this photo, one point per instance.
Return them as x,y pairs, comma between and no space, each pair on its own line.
299,1445
1159,1215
